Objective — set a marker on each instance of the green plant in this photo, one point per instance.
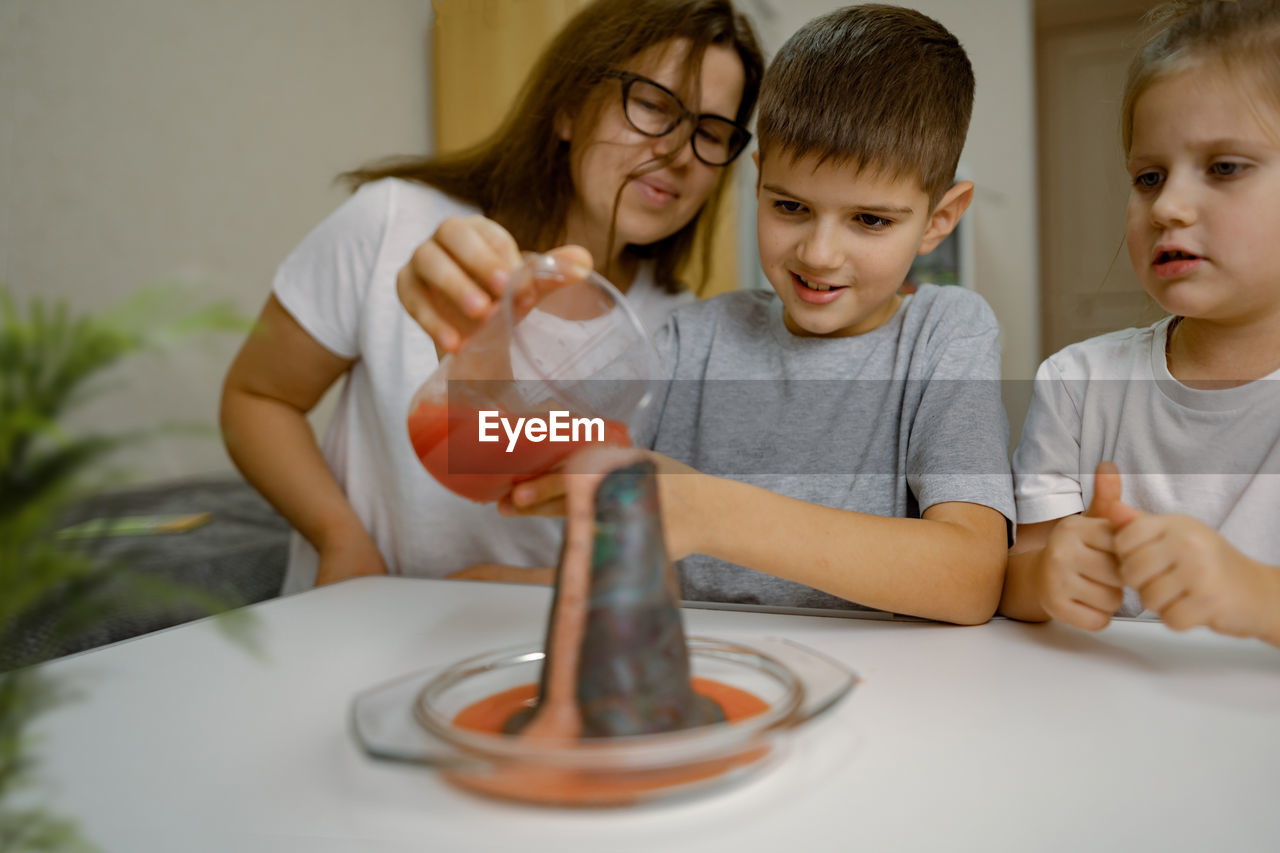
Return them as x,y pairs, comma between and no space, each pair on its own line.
51,363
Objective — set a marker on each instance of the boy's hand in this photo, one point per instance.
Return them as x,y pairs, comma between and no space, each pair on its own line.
541,496
1079,579
450,283
545,495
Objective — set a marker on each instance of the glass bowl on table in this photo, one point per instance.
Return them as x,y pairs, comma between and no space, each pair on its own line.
562,363
449,719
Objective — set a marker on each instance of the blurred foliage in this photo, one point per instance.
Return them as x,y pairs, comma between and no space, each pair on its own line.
51,363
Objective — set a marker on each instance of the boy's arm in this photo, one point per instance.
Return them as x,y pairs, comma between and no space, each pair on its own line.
948,565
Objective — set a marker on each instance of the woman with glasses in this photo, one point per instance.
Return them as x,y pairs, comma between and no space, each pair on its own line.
618,143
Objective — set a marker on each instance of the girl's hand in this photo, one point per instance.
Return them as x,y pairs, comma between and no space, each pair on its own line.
1185,571
1077,580
450,283
1078,577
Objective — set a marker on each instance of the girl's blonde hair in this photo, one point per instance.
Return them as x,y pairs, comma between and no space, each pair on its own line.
1241,37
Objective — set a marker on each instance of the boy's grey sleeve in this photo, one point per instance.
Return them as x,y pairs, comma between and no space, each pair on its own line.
958,446
1046,465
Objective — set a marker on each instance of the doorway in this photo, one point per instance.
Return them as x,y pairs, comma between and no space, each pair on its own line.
1087,285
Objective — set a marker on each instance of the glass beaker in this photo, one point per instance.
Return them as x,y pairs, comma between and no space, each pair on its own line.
562,363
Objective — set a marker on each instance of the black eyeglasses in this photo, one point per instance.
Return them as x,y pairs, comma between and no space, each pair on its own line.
654,110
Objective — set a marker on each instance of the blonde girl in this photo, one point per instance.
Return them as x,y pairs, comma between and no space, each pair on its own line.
1183,526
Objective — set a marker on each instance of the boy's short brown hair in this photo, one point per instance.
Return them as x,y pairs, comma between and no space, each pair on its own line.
888,88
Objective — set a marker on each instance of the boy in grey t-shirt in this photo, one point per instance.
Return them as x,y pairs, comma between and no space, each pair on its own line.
891,422
873,466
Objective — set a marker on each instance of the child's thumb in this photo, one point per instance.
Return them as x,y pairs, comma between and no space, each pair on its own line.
1107,490
1120,514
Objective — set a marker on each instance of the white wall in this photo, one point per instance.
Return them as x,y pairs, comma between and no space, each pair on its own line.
194,140
1000,157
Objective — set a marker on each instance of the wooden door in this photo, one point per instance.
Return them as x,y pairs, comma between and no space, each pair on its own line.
1087,283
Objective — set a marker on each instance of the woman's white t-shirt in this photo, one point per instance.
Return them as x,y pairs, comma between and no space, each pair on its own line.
339,284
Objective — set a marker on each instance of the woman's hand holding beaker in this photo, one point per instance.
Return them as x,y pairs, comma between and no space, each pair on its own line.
562,364
450,284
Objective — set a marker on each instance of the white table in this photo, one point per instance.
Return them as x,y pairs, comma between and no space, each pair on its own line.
1001,737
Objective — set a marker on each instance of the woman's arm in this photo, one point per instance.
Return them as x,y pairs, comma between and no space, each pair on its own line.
278,376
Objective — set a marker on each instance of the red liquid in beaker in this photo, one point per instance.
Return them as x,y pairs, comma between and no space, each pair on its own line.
447,441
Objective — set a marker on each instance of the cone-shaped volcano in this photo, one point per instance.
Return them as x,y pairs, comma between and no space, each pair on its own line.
617,663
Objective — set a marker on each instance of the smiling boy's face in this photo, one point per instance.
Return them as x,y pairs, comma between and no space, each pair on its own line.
836,243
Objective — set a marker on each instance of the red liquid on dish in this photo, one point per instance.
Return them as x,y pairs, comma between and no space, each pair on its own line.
447,441
572,787
490,713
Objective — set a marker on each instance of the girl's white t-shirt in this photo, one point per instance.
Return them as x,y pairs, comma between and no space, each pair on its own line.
340,286
1212,454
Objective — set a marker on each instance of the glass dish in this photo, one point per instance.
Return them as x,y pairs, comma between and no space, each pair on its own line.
411,719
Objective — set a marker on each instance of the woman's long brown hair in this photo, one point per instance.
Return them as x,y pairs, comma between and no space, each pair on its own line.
519,176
